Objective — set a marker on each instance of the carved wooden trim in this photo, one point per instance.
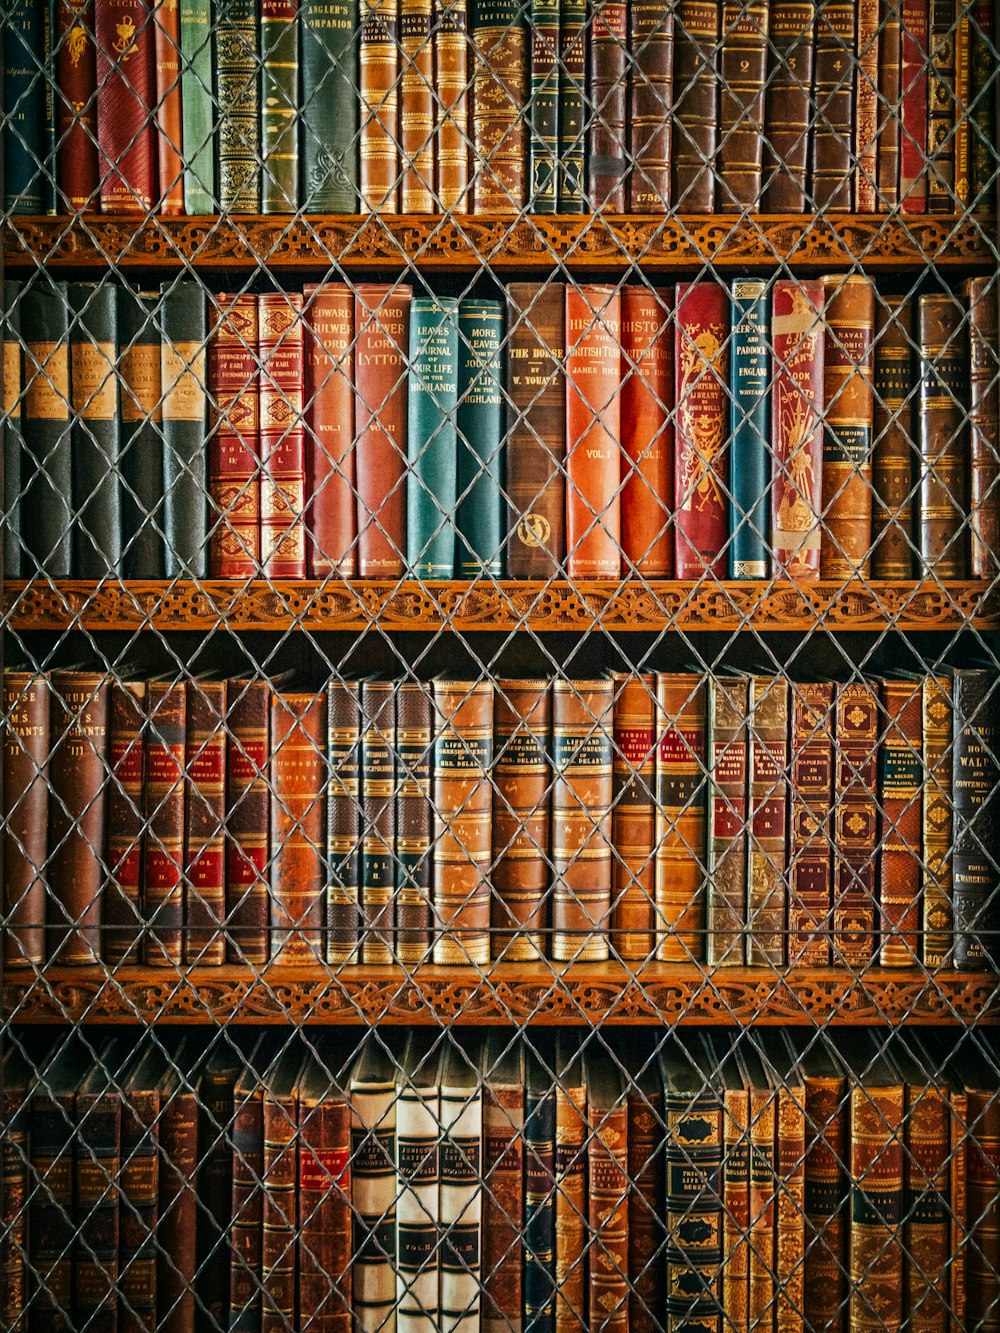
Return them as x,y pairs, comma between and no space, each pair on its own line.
504,243
511,994
336,604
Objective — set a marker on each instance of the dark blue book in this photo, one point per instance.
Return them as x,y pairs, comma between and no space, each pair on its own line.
539,1199
749,449
27,95
481,511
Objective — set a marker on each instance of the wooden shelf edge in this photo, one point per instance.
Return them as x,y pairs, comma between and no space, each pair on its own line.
518,994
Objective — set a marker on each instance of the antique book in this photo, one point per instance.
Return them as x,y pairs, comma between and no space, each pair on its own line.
163,848
647,1181
141,448
169,117
297,781
451,75
75,104
810,793
574,40
378,87
727,843
28,139
501,55
248,845
47,464
834,75
984,438
323,1178
138,1180
743,67
936,882
377,723
651,50
749,427
431,438
328,116
96,1169
893,454
96,434
126,99
607,105
460,1210
855,819
633,818
607,1193
50,1133
573,1237
123,889
681,803
234,466
197,114
981,1131
927,1190
481,517
282,445
177,1203
697,35
539,1195
13,434
26,749
279,106
246,1231
941,109
868,111
414,820
787,105
215,1089
647,433
900,789
330,516
975,781
761,1173
958,1180
943,428
983,113
374,1106
767,811
205,822
543,107
277,1258
503,1184
416,107
915,56
797,339
418,1184
785,1072
344,819
236,60
889,113
826,1218
184,381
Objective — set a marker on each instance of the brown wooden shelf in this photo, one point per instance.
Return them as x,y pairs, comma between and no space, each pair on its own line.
506,244
337,604
512,993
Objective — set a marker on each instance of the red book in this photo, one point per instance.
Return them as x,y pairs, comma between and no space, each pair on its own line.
900,787
701,374
169,122
593,428
205,821
126,97
913,140
647,431
282,444
382,336
76,108
163,857
248,749
234,442
797,427
331,520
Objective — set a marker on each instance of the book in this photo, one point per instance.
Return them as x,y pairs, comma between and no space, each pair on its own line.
650,88
26,750
943,426
215,1089
647,432
913,106
27,141
574,1238
416,106
139,1180
246,1230
633,820
126,99
280,1105
826,1218
810,794
123,889
236,94
414,820
767,812
543,107
480,519
184,408
889,120
900,789
984,405
460,1156
727,844
926,1189
942,40
681,803
328,116
573,48
432,447
323,1179
742,70
345,817
75,95
983,117
418,1184
539,1195
297,780
893,452
330,515
757,1150
234,464
248,846
607,1192
205,822
867,109
374,1202
749,425
450,38
503,1183
697,41
163,847
785,1073
936,884
981,1132
647,1182
13,435
96,434
788,111
974,782
500,55
607,105
378,89
96,1170
282,445
855,825
177,1201
168,130
834,80
377,726
140,459
46,518
197,115
51,1133
279,33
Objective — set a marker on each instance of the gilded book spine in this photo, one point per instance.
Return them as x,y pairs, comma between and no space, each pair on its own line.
607,151
26,815
163,854
379,90
855,821
894,453
900,783
234,441
651,49
373,1197
248,843
416,108
414,820
282,451
681,798
503,1201
943,417
741,113
500,93
331,522
382,333
696,89
633,823
543,189
810,898
726,862
768,806
451,70
927,1202
937,820
826,1223
205,822
378,782
867,112
694,1213
876,1244
343,820
298,763
647,432
984,439
279,105
975,790
941,107
570,1198
237,92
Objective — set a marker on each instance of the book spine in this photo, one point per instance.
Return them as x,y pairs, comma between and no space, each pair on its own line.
736,1216
344,820
432,402
889,115
892,464
847,438
298,762
183,377
50,1212
236,47
826,1220
277,1258
582,762
13,432
761,1173
141,457
26,140
984,438
197,107
215,1093
876,1245
451,72
46,506
963,99
743,69
168,127
126,99
543,105
900,784
279,105
123,889
749,429
651,89
418,1131
138,1183
646,1224
463,834
855,821
696,45
983,1134
26,748
913,109
833,130
461,1208
323,1223
416,106
282,442
943,422
573,42
694,1158
503,1207
608,1192
975,779
787,106
163,851
926,1216
937,921
500,53
245,1234
941,107
633,822
536,430
330,520
593,431
96,437
522,777
767,903
247,821
681,800
96,1164
329,35
647,432
958,1197
480,422
234,440
607,155
382,334
373,1204
572,1222
76,105
726,863
810,888
790,1240
867,113
539,1206
177,1210
414,820
205,822
378,781
983,111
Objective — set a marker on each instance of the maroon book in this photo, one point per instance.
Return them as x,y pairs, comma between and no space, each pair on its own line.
701,374
234,438
282,447
647,431
163,855
76,105
205,821
247,820
913,140
331,520
126,101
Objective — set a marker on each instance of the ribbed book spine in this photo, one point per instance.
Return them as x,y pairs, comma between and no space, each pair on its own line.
735,1191
607,152
876,1243
13,432
205,822
432,479
277,1263
197,115
826,1218
297,782
235,33
248,843
889,114
726,860
539,1198
958,1203
279,105
163,851
379,78
141,456
749,448
177,1207
867,110
701,373
123,891
943,423
323,1220
762,1201
646,1223
833,129
810,870
501,55
418,1201
647,432
330,517
522,777
741,111
234,442
344,821
416,107
139,1185
984,437
651,51
984,113
894,452
169,116
941,107
767,899
503,1199
374,1201
790,1207
693,1205
247,1138
282,445
97,528
607,1197
183,374
46,505
913,140
480,439
573,42
96,1164
937,920
900,788
26,748
126,99
543,192
382,337
378,784
571,1218
461,1201
414,820
76,105
329,35
927,1205
787,105
26,144
681,798
855,825
696,105
633,823
451,73
975,783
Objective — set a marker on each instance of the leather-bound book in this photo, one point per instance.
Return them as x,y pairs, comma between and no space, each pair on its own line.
451,75
681,798
236,47
378,812
539,1195
633,820
975,783
937,924
141,456
328,117
330,516
582,760
279,106
522,777
749,443
503,1184
96,1164
593,431
573,44
701,467
926,1192
726,858
501,57
163,849
647,1180
463,836
787,105
573,1238
981,1129
205,822
651,51
138,1183
46,501
297,782
123,889
481,516
169,123
26,748
12,431
183,374
785,1071
607,1193
889,112
900,788
607,157
323,1222
418,1183
983,111
76,105
460,1212
958,1193
97,527
647,432
734,1188
758,1155
810,897
177,1202
414,820
197,107
248,846
416,106
382,337
847,438
373,1184
543,107
344,819
826,1219
984,437
767,811
28,137
216,1085
278,1248
892,465
877,1159
246,1137
913,107
943,425
125,37
51,1132
282,444
697,34
797,427
941,108
855,820
77,776
536,429
868,111
834,75
234,463
431,439
741,105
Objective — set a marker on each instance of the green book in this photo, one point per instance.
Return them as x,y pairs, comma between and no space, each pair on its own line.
235,49
184,411
141,435
480,439
46,505
572,86
432,400
97,535
197,107
544,108
28,104
13,441
329,35
279,102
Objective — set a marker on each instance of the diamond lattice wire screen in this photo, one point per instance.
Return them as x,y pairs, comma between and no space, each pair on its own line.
498,687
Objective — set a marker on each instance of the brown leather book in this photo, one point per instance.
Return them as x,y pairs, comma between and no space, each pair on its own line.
343,820
937,820
215,1089
647,1183
876,1164
942,111
741,109
76,105
25,814
278,1247
982,1133
282,447
123,891
762,1191
593,431
139,1183
943,430
451,75
726,858
323,1181
785,1070
651,50
80,708
245,1234
766,814
536,429
810,874
416,106
522,777
735,1193
607,1194
378,812
868,111
205,823
163,850
234,438
499,96
169,122
248,844
855,820
378,86
382,334
825,1205
177,1204
582,756
900,789
96,1163
958,1196
298,792
927,1184
607,55
787,111
833,99
681,798
414,819
647,431
695,110
633,820
984,437
463,835
894,452
572,1133
889,113
503,1184
126,99
847,436
331,520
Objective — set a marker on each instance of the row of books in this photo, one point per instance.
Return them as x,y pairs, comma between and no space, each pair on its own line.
797,428
430,106
731,819
485,1183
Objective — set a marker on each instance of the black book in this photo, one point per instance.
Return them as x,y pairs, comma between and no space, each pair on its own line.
47,498
976,802
185,402
141,435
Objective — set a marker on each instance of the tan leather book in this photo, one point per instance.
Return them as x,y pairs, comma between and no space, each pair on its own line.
943,426
937,820
681,796
633,822
416,106
500,52
572,1133
298,781
984,432
894,446
451,71
378,86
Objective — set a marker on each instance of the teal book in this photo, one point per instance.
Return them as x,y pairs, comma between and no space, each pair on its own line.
27,134
329,35
237,77
141,434
184,412
279,103
197,107
480,439
749,431
573,37
432,402
97,535
46,505
544,107
539,1196
13,439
